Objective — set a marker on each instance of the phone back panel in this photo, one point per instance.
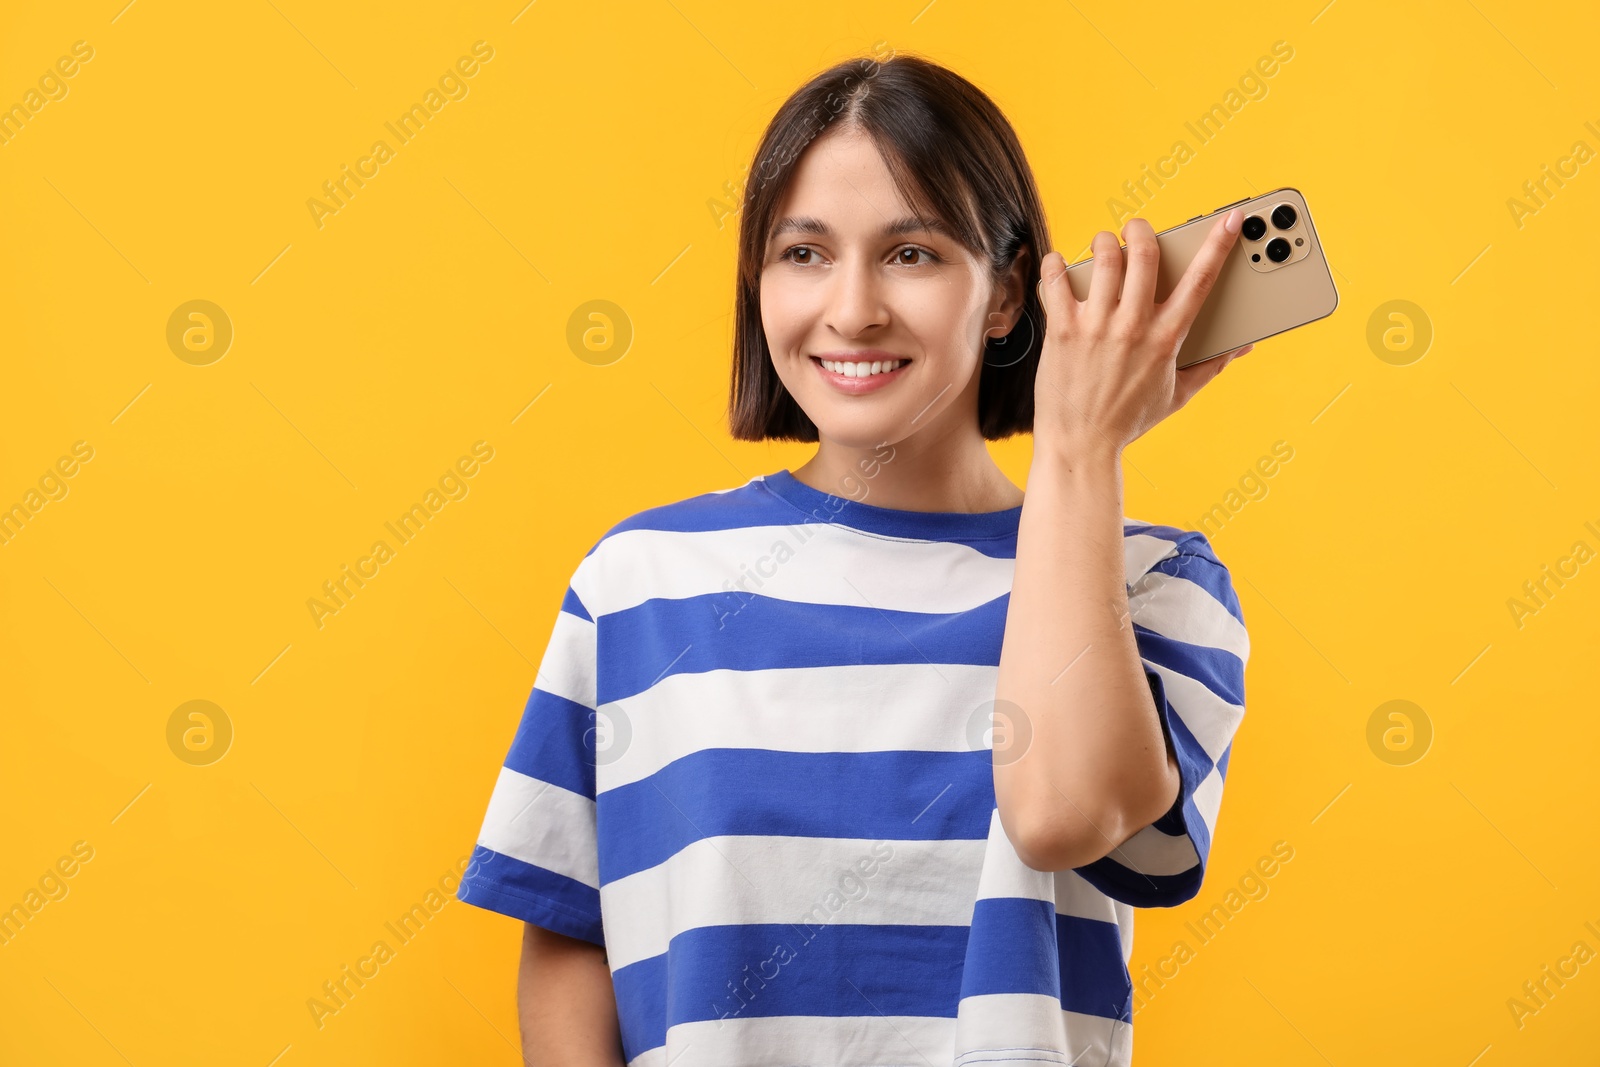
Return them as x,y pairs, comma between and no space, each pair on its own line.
1246,304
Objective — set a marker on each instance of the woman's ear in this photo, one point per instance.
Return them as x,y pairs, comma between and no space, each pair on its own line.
1010,295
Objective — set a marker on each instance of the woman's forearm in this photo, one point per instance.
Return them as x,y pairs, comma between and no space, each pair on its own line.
1087,765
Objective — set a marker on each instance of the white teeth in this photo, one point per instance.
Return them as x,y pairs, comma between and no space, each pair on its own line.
859,369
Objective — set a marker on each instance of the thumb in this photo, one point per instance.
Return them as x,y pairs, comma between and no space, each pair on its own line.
1196,376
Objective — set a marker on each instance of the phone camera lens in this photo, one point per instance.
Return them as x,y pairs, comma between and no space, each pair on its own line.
1283,216
1254,227
1277,250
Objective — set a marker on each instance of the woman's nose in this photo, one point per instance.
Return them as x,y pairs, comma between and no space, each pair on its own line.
856,298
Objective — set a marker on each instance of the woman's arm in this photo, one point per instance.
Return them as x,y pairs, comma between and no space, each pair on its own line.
1086,764
1096,767
565,1002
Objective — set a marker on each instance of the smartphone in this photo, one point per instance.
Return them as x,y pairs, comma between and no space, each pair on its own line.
1275,278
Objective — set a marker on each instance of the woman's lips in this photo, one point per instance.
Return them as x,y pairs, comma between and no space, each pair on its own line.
857,386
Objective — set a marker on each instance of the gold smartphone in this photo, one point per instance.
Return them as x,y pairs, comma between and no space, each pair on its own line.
1275,278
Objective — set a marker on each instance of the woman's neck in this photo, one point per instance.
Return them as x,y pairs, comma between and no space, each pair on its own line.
908,478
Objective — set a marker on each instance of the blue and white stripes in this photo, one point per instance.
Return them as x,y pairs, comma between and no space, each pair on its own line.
747,769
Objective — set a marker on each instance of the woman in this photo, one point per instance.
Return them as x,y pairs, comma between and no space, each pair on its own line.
868,763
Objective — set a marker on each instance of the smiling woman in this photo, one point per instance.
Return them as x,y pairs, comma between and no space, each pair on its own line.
711,747
879,228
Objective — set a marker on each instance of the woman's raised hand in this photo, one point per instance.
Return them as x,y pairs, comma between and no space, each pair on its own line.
1108,371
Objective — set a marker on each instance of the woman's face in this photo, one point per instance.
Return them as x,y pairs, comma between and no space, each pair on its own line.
850,276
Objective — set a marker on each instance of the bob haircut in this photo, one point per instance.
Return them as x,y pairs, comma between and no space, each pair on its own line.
953,156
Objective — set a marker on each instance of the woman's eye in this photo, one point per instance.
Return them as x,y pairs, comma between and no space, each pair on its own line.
795,253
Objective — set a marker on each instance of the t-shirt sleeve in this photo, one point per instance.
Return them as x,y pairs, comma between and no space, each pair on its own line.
1192,641
536,857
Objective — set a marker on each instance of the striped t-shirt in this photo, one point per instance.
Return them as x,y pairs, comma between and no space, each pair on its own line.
756,767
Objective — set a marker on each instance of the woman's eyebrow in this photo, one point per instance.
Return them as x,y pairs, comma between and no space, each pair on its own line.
897,228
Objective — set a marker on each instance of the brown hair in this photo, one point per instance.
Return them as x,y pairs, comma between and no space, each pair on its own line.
953,156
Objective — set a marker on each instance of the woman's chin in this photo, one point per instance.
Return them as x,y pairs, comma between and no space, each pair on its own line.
858,433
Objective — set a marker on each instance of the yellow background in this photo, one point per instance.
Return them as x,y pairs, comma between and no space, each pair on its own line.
431,311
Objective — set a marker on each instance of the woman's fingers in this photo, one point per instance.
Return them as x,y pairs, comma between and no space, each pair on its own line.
1106,280
1184,304
1054,291
1142,255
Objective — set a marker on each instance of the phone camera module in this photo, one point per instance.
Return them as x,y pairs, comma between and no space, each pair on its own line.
1254,227
1283,216
1278,250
